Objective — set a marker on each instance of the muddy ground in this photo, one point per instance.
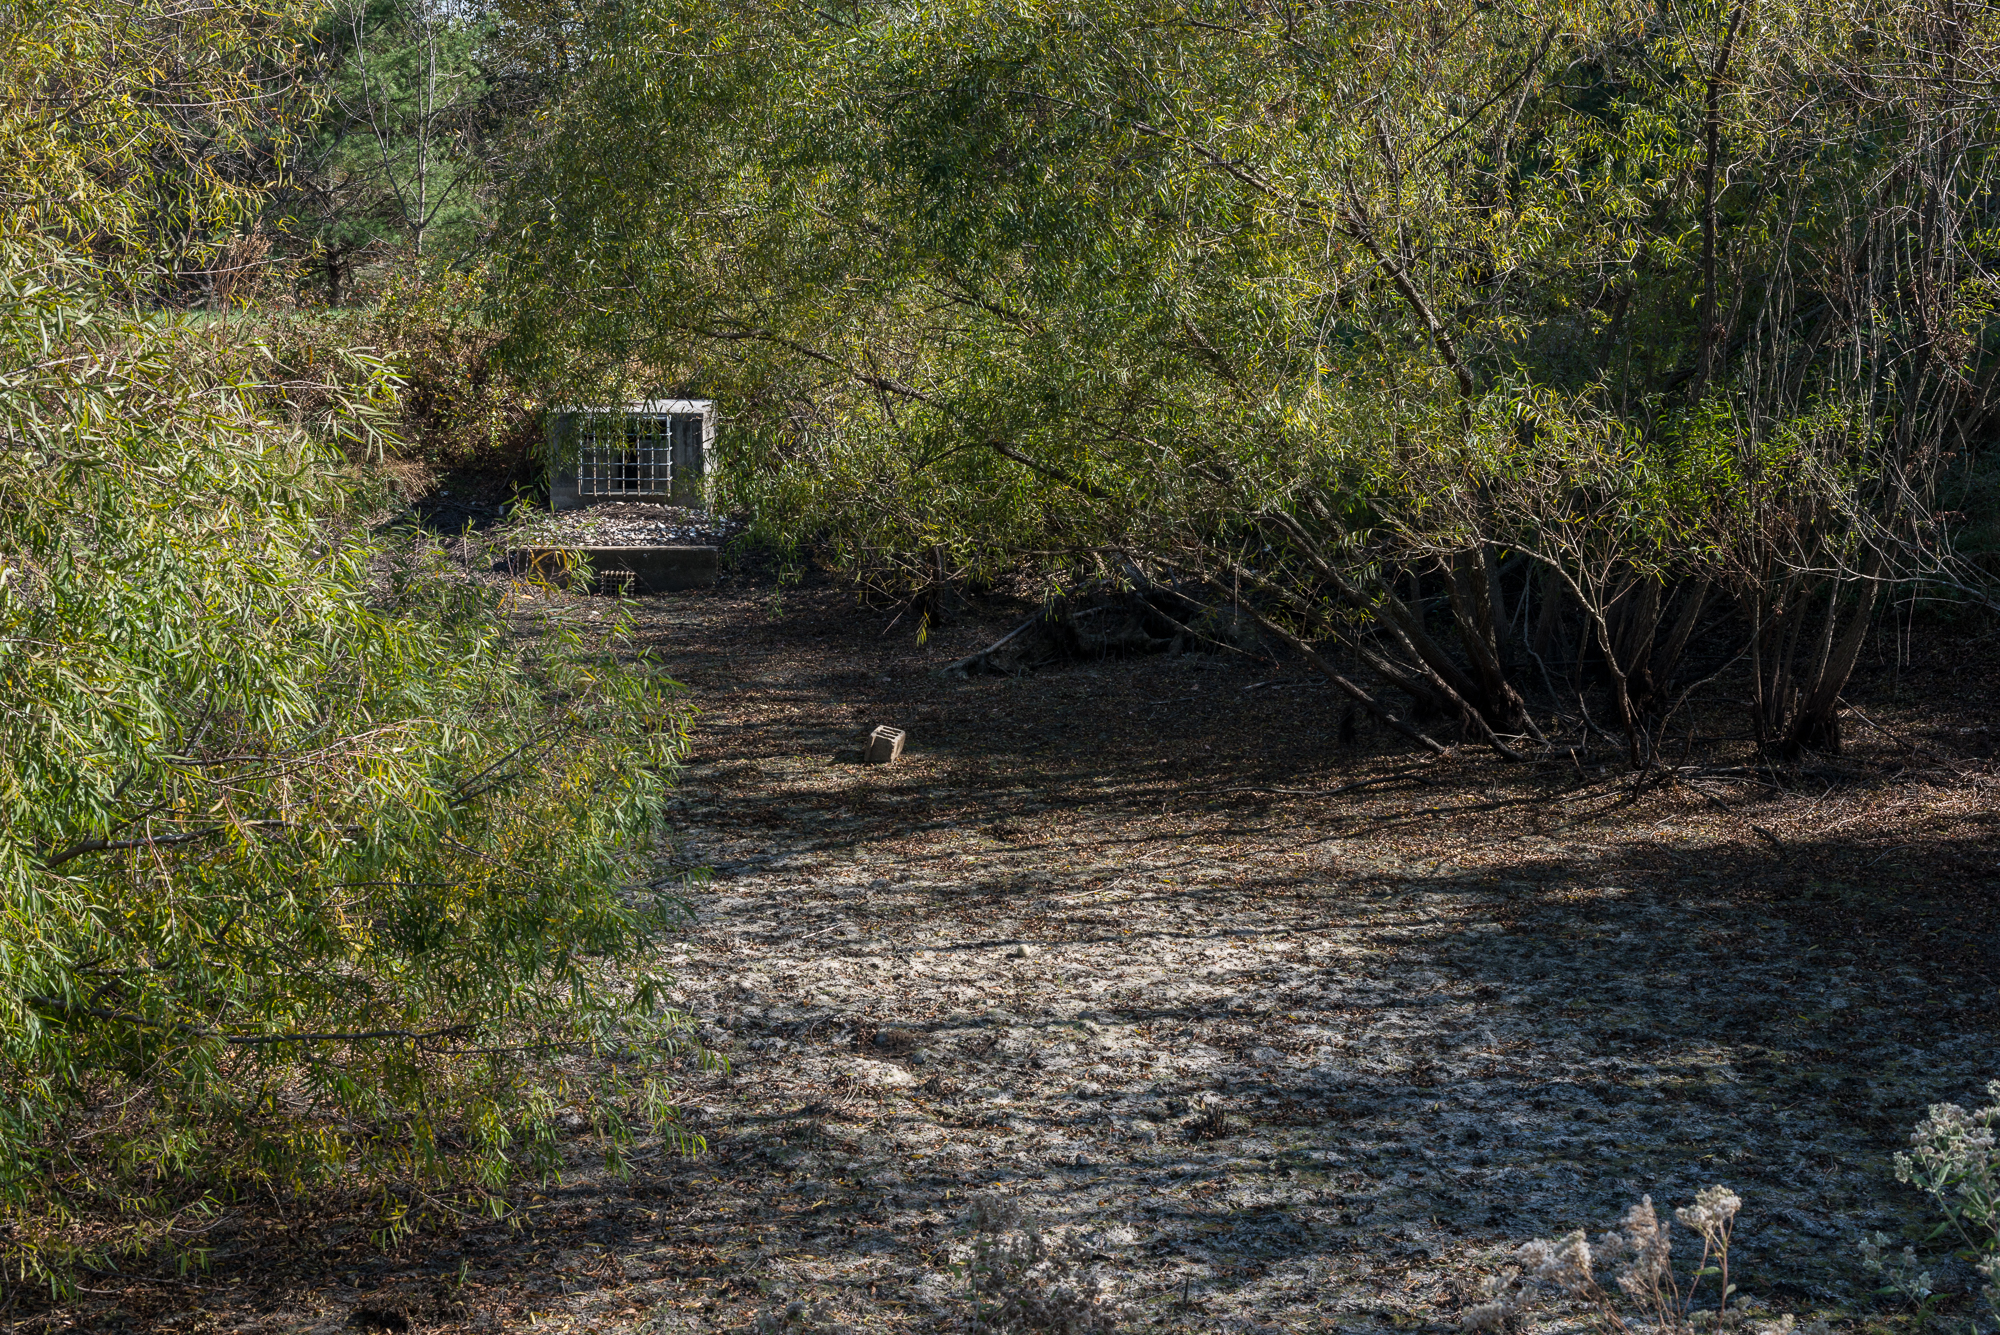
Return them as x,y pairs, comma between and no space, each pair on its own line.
1263,1027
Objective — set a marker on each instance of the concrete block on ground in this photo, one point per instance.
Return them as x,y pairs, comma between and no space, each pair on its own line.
879,1075
620,569
885,744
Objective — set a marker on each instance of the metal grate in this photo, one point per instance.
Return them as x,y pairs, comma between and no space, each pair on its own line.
625,456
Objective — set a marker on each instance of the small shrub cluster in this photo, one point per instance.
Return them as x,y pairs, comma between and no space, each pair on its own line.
1646,1291
1211,1123
799,1316
420,355
458,408
1953,1159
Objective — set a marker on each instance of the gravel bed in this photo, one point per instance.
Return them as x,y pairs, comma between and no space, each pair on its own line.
627,524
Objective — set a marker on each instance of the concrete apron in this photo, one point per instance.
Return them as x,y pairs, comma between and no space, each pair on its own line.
618,569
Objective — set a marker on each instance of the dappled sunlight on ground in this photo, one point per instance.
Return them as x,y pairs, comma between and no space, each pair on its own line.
1270,1030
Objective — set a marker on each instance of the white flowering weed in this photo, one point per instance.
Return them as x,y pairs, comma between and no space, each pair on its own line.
1953,1160
1900,1272
1653,1295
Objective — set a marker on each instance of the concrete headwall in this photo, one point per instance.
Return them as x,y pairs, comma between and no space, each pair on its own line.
691,469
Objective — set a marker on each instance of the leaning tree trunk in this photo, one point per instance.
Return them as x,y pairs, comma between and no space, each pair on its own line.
1472,609
1815,723
1668,660
1435,674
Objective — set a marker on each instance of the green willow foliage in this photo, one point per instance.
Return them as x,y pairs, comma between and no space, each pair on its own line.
137,131
307,872
313,872
1575,321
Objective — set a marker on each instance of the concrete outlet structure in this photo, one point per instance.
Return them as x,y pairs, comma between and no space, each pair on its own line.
657,451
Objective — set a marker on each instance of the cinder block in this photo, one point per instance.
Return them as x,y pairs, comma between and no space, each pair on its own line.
885,744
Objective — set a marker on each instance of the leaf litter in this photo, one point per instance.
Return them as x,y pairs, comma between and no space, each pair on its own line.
1247,1028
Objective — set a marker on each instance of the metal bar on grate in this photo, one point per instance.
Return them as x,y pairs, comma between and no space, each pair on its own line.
628,457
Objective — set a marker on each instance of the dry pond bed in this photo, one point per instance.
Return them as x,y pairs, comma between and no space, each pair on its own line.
1265,1030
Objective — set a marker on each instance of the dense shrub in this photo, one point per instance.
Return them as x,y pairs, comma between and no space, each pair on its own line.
1505,350
309,870
458,408
421,350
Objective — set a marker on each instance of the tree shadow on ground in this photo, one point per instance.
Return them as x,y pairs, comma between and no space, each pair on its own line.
1276,1049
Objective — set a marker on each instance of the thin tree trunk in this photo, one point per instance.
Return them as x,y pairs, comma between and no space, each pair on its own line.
1548,621
1594,618
1816,722
1472,609
1668,660
1331,673
1712,149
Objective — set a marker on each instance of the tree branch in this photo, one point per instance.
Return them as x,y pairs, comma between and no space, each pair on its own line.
68,1011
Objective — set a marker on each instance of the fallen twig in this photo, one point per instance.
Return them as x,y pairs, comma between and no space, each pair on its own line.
1907,746
976,663
1320,792
1775,842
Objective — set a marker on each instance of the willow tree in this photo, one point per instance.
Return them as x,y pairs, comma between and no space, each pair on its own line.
1486,342
311,873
